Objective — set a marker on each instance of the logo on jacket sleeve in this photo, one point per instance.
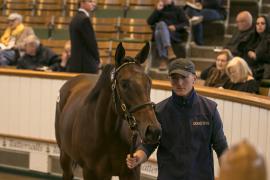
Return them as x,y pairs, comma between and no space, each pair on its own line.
200,123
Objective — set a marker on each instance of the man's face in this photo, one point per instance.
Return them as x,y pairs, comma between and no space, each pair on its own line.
31,48
182,85
242,22
13,23
88,5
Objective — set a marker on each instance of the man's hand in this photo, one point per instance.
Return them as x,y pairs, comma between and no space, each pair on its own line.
252,54
138,157
172,27
160,5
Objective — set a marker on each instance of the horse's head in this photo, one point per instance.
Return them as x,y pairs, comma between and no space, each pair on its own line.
131,93
242,162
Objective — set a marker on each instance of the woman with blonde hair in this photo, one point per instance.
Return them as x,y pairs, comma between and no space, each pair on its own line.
215,75
241,77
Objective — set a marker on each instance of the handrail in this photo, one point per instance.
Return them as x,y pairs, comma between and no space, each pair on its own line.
230,95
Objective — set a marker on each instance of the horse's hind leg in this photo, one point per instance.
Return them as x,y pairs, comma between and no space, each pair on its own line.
66,164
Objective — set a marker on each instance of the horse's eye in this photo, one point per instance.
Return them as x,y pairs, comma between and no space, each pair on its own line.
125,84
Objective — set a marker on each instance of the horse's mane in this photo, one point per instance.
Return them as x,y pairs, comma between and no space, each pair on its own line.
103,81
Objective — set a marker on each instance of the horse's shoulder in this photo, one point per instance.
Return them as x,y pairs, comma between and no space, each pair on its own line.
75,85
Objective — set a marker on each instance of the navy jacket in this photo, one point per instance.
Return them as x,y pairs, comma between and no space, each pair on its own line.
191,127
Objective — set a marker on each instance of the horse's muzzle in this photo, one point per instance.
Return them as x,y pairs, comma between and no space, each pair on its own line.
152,134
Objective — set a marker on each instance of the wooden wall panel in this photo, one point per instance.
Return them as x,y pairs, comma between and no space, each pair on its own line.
27,109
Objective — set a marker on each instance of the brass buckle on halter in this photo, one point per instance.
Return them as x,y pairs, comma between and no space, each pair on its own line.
123,107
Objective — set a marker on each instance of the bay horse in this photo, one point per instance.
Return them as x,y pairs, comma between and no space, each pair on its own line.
95,120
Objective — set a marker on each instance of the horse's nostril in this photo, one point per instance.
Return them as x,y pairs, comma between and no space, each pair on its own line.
153,133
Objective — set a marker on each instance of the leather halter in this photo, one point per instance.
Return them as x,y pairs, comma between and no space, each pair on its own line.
128,113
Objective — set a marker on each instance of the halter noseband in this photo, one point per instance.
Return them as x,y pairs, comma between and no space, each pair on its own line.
128,113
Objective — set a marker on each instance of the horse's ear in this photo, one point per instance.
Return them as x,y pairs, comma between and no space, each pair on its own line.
143,54
119,54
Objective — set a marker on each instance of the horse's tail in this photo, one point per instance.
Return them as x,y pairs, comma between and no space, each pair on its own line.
57,124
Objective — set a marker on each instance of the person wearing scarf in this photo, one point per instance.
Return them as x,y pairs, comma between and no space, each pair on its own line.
12,33
257,51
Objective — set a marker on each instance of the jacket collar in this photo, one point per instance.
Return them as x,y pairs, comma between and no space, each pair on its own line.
184,101
84,11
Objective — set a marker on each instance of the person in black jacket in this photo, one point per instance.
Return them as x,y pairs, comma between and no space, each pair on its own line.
37,57
257,52
84,49
191,128
240,38
241,77
169,24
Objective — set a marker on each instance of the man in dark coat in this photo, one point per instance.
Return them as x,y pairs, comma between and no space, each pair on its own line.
191,128
37,57
239,39
84,50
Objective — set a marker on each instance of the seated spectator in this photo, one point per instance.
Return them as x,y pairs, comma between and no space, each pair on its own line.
242,162
169,24
257,51
37,57
64,58
215,75
241,77
239,39
12,41
207,10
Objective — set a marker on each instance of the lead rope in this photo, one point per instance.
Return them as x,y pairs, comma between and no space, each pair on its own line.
133,144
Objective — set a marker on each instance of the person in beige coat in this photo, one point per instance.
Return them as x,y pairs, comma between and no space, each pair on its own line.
12,40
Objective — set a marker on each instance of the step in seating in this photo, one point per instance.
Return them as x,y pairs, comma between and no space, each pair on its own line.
243,5
213,32
56,46
23,7
265,87
203,51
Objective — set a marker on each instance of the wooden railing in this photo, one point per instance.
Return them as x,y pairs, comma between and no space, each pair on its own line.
28,98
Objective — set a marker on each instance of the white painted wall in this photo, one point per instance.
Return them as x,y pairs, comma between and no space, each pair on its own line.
27,108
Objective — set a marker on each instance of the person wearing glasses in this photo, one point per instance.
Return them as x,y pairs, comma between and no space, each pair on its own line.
12,40
191,128
84,50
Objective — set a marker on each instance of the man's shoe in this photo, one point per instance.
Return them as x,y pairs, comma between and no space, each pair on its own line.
196,20
163,65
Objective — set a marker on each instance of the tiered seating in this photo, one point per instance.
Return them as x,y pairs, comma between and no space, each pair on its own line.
240,5
3,23
49,7
106,28
70,7
110,3
135,29
23,7
56,45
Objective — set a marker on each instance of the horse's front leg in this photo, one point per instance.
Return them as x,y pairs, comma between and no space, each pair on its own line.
91,175
133,174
